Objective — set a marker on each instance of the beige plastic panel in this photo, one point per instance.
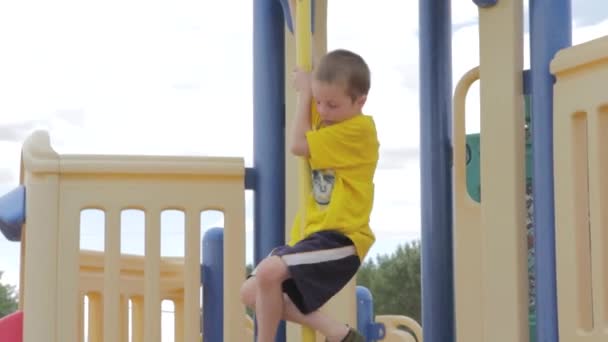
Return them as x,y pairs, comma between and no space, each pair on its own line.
468,242
129,284
490,238
581,190
504,253
58,274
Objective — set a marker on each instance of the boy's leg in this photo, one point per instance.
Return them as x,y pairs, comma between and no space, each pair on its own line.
333,330
270,275
330,328
307,264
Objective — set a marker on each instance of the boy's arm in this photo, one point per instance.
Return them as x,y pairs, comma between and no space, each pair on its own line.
302,121
301,124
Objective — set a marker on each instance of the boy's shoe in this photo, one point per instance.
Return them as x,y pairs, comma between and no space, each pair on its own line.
353,336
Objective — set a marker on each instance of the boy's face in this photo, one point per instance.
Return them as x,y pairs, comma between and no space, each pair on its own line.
333,103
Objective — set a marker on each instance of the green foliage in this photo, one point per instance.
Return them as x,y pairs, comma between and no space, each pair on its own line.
394,281
248,270
8,299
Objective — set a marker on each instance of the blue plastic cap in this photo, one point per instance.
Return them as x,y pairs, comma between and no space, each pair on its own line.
363,293
12,213
377,331
485,3
214,234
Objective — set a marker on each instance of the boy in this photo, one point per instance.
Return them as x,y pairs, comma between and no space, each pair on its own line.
341,145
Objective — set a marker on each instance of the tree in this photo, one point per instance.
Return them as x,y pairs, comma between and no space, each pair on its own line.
394,281
248,270
8,299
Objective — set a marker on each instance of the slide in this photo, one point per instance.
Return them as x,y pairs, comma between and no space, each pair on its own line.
11,327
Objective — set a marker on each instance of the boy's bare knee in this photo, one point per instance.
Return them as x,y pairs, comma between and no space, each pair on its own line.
248,292
271,271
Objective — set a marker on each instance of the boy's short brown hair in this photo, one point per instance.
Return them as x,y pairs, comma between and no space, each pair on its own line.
345,66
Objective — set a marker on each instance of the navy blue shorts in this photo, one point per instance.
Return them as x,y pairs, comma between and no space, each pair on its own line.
319,267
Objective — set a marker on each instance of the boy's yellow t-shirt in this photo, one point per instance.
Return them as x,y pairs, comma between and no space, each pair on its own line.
343,159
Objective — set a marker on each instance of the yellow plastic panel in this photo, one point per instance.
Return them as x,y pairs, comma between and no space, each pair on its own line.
502,172
468,242
58,273
111,301
39,262
581,190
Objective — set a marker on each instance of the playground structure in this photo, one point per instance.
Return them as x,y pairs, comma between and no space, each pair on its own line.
123,293
486,249
56,274
482,261
60,187
581,190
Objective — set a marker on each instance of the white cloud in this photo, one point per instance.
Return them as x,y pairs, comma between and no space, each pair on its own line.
397,158
158,80
17,131
6,175
10,155
588,12
587,33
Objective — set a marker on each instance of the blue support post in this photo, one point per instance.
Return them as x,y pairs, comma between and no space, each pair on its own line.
436,176
550,31
269,129
269,126
213,285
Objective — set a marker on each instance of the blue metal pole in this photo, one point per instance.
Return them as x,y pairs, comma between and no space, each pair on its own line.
269,129
435,162
268,126
550,31
213,285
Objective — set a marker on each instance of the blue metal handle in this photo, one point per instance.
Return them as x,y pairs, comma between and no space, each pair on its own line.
376,331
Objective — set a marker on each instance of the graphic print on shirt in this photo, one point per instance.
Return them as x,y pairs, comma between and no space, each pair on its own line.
323,185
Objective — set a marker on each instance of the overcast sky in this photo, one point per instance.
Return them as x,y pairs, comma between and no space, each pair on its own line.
141,77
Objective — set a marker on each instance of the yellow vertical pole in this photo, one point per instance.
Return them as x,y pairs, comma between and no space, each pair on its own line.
303,33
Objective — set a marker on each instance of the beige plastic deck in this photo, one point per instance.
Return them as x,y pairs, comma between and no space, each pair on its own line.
490,238
581,190
61,186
